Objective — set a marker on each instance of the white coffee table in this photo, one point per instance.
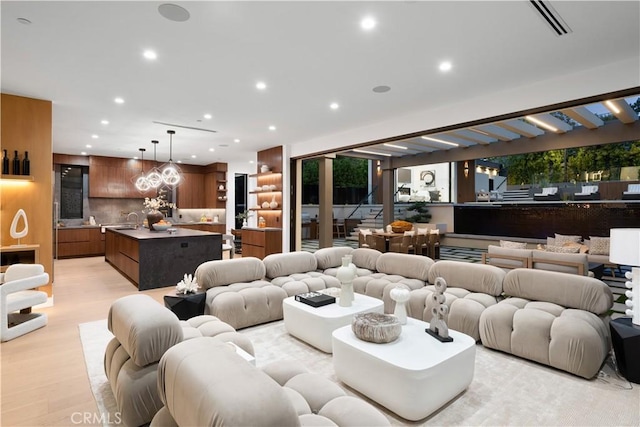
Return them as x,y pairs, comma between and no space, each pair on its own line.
412,376
314,325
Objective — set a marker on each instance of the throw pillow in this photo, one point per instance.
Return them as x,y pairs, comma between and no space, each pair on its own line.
365,232
423,231
410,233
562,238
583,249
512,245
551,241
379,230
599,245
563,249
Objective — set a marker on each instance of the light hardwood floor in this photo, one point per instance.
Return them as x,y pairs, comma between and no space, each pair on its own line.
43,375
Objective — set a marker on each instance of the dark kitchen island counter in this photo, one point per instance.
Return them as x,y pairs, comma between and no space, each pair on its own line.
156,259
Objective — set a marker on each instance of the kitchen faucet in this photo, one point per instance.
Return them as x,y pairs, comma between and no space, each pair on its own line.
137,217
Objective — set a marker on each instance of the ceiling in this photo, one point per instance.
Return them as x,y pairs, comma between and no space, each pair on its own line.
82,55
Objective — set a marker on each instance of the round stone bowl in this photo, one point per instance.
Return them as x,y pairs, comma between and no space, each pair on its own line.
376,327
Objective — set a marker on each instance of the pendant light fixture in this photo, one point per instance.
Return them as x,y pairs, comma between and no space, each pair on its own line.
171,172
154,177
141,182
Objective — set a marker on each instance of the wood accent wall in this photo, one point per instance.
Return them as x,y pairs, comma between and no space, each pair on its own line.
26,126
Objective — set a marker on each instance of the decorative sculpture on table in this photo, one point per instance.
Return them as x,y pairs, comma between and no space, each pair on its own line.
400,295
14,226
438,326
345,274
187,285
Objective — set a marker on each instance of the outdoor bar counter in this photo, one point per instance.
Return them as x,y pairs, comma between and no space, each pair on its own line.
156,259
537,219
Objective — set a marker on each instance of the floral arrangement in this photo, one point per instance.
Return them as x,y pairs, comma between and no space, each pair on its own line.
187,285
156,203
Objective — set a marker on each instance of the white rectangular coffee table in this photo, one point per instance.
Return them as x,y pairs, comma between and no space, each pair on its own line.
314,325
412,376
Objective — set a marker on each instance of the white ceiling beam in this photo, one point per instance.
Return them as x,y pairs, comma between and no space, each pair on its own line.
497,132
583,116
475,137
522,128
621,110
552,123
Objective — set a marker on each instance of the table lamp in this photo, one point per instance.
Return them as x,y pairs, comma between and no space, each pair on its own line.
625,250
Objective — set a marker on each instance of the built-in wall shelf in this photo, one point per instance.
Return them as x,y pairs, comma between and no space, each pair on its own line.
270,173
17,177
267,209
266,192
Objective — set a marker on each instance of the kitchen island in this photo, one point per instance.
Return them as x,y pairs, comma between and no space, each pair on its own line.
156,259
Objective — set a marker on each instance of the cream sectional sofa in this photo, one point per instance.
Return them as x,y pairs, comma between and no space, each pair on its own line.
143,331
203,382
471,288
556,319
330,259
393,270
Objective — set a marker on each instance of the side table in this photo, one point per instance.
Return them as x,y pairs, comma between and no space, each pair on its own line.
185,306
625,337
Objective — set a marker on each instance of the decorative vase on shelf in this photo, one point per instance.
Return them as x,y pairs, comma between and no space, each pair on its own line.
153,217
273,204
265,205
244,223
264,168
345,274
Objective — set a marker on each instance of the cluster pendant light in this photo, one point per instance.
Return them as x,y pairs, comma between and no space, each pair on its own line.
142,181
169,174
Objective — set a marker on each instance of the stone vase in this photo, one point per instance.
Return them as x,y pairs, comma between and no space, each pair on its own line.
345,274
153,217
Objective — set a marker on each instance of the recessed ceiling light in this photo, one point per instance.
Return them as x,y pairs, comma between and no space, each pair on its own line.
334,106
105,122
24,21
135,157
94,136
88,145
83,153
381,89
358,150
193,156
272,127
173,12
236,140
428,138
149,54
179,161
368,23
445,66
118,100
207,116
212,149
612,106
251,161
402,147
541,123
261,85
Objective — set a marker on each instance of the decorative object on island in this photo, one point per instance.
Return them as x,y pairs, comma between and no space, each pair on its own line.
376,327
187,285
5,163
438,326
345,274
400,295
171,172
14,226
153,206
625,250
140,181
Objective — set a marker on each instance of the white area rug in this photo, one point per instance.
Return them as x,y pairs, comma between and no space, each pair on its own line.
505,390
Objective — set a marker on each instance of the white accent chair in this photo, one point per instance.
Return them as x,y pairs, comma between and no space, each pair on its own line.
18,294
229,244
632,193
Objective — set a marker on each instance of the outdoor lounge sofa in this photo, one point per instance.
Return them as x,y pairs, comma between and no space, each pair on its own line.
588,192
632,193
547,194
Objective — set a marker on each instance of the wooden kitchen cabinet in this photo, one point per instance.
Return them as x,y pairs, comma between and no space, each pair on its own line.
80,242
112,177
260,242
191,191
